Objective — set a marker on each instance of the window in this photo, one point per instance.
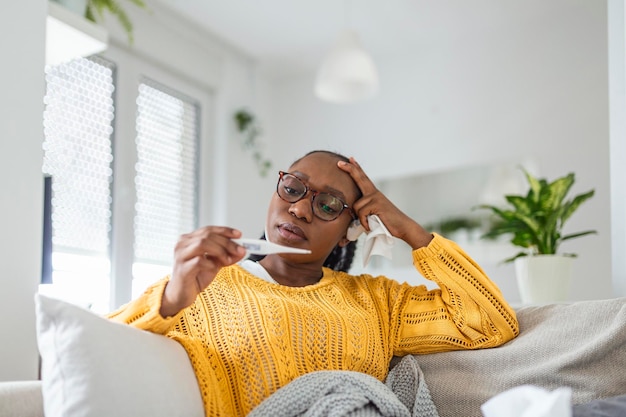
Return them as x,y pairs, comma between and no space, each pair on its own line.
78,154
111,238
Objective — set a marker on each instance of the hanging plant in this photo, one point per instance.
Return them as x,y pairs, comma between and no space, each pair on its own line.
249,127
96,10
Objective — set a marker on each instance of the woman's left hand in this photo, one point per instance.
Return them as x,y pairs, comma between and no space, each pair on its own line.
374,201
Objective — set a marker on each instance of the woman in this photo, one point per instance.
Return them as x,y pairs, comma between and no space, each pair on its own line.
250,333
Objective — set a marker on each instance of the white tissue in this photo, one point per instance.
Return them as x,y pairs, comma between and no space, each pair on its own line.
530,401
378,240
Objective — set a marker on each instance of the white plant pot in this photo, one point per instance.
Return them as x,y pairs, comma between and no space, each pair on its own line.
543,279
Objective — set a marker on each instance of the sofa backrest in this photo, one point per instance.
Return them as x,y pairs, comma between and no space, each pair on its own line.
21,399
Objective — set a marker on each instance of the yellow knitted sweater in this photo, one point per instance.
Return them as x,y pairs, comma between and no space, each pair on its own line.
247,337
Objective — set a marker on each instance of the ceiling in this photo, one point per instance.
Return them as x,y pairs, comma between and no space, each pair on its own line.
292,36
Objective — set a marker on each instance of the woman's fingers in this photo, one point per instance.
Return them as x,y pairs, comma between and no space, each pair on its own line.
358,175
210,244
198,257
374,201
367,204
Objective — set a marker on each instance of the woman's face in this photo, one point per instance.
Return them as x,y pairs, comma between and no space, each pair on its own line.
294,224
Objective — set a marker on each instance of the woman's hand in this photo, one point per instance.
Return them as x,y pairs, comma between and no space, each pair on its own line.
375,202
198,256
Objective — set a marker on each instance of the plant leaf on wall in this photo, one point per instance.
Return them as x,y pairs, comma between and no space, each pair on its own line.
250,129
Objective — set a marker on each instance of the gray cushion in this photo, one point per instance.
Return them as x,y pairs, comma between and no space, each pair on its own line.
581,345
607,407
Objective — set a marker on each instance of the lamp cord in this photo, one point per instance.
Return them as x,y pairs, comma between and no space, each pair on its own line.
346,14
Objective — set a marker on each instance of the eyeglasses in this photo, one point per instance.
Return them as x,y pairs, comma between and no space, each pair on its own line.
325,206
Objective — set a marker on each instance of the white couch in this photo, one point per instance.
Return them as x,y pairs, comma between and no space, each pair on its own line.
93,367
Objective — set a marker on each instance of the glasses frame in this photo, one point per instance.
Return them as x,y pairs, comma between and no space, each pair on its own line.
314,193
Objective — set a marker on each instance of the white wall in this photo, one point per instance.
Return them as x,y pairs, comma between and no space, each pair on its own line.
617,99
537,92
21,208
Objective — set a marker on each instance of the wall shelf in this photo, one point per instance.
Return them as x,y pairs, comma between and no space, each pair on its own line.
70,36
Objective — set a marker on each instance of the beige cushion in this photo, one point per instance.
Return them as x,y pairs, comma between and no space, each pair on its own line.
580,345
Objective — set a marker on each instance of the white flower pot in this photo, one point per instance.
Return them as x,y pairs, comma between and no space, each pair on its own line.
543,279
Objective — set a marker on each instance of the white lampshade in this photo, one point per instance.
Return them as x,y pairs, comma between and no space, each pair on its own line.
348,73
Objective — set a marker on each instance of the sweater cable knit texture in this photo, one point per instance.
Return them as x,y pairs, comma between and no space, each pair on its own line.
246,338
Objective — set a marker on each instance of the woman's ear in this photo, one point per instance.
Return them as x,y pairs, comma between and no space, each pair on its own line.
352,233
343,242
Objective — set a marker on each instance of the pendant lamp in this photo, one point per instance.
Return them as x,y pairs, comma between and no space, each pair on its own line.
348,73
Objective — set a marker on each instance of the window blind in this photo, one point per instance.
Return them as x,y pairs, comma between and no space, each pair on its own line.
78,117
166,171
78,155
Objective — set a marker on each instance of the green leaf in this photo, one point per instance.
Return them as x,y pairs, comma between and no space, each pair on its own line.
139,3
124,20
506,215
96,10
524,240
535,186
521,204
579,234
247,125
572,206
511,259
243,119
505,229
554,193
529,221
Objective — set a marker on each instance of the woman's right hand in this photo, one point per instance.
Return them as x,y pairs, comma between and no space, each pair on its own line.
198,257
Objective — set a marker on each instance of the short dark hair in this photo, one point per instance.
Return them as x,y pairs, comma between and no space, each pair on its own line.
331,153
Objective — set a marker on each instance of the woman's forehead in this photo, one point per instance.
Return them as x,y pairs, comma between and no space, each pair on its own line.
321,170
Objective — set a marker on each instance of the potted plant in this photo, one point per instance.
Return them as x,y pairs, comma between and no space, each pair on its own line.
96,10
536,223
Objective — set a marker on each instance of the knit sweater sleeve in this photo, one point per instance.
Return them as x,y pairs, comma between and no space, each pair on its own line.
467,311
143,312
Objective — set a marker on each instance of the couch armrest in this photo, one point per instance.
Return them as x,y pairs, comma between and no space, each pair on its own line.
21,399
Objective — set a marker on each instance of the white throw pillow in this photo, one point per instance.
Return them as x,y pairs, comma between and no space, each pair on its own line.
92,366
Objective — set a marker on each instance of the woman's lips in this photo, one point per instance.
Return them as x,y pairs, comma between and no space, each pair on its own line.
291,232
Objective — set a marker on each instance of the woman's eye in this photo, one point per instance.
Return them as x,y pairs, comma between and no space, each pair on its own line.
327,208
292,191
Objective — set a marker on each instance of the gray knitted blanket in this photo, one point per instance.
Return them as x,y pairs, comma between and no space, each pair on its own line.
353,394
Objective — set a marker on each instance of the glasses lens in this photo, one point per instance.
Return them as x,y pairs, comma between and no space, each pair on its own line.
291,189
327,206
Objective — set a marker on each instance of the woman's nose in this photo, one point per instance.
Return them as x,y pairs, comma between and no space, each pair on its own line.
302,209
